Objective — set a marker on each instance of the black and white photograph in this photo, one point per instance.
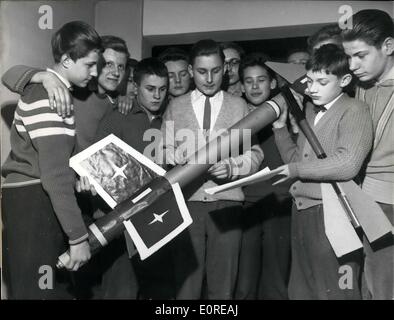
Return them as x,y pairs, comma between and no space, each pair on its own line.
193,156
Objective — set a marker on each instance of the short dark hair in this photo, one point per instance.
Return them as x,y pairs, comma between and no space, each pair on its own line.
329,58
328,32
116,44
76,39
371,26
173,54
149,66
205,47
252,60
234,46
132,63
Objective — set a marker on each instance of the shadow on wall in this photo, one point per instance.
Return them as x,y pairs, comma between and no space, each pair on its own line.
7,112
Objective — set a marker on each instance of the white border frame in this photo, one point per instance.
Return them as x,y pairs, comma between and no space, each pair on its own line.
143,250
75,163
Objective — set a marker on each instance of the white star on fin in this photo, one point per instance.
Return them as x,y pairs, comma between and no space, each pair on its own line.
118,171
158,217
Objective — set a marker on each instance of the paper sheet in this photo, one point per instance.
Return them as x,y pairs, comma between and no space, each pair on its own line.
261,175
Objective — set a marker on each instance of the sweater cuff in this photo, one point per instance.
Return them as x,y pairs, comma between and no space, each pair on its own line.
293,170
25,79
78,240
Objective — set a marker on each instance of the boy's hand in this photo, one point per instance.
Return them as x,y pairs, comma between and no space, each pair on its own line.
282,120
79,255
125,104
284,172
83,185
179,156
58,94
220,170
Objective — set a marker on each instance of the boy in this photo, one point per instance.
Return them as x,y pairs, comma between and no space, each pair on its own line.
210,247
344,129
265,251
233,54
38,228
370,46
298,56
90,105
154,274
176,61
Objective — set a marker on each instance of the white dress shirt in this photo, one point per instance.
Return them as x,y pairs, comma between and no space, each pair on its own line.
320,114
198,103
61,78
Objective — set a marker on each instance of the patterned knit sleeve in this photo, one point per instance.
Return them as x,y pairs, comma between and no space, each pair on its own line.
53,138
18,77
355,142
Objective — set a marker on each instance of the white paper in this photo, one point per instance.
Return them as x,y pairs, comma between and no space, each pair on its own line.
143,250
261,175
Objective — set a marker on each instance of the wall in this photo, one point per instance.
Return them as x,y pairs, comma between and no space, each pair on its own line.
186,21
123,19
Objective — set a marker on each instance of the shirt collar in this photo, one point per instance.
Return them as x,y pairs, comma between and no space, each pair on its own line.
197,94
388,79
61,78
330,104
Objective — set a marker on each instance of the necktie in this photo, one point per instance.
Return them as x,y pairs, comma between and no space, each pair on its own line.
156,122
320,108
207,115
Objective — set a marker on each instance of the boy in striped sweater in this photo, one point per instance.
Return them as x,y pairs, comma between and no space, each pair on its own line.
40,212
344,129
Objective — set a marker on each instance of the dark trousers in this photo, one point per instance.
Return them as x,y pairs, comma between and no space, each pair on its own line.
264,262
316,273
118,275
208,249
379,263
32,242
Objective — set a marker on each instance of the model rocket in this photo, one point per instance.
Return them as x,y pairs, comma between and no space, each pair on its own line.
157,195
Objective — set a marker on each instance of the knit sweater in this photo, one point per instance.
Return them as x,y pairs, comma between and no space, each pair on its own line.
379,180
89,107
345,133
180,115
41,145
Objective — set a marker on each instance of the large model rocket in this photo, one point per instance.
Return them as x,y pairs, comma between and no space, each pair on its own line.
145,200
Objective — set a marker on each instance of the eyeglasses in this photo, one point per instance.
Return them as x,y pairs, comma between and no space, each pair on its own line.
232,63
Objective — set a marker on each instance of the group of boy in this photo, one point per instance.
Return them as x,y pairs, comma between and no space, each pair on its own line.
219,255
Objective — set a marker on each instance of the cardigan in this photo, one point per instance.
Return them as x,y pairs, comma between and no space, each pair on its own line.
180,115
379,179
345,133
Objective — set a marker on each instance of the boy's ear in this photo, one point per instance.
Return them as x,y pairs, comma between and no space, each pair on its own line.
273,85
388,46
242,88
190,69
346,79
65,61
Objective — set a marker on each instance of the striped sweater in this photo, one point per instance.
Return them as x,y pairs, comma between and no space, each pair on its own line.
345,133
41,145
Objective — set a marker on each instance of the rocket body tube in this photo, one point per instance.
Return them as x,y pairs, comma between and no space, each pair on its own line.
111,225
